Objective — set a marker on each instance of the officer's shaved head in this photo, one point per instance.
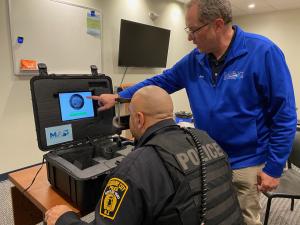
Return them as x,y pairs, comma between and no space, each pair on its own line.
148,106
154,101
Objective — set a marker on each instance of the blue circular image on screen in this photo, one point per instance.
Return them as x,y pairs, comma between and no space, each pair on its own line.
76,101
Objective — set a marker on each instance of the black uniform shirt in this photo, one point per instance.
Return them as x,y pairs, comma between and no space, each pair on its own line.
136,191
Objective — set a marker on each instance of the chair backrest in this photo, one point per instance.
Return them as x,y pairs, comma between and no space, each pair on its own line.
294,158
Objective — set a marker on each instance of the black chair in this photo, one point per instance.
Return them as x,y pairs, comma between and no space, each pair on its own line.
289,186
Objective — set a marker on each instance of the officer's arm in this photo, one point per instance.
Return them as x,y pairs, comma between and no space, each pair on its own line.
121,202
61,214
70,218
136,191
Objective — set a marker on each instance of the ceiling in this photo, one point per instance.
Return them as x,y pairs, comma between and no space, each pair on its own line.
240,7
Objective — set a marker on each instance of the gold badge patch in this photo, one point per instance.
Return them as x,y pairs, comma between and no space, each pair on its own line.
112,198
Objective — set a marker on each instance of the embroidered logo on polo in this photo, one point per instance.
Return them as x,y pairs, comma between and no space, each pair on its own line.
112,198
201,76
233,75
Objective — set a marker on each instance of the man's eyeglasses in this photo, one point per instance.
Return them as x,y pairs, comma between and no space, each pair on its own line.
192,32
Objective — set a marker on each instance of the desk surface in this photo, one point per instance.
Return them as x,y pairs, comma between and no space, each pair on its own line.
40,193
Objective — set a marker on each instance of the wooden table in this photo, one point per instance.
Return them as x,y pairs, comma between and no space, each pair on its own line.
29,207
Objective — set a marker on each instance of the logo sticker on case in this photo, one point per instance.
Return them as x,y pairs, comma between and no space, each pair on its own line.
58,134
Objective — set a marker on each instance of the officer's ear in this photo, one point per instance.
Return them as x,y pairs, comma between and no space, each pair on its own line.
140,120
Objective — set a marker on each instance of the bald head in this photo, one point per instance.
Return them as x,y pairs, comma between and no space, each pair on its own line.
148,106
153,101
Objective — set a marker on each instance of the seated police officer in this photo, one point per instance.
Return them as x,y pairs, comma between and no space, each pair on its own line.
174,176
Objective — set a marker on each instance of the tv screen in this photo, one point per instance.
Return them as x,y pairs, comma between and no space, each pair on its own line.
143,45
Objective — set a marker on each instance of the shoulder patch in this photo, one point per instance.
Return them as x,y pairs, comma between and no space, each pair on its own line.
112,198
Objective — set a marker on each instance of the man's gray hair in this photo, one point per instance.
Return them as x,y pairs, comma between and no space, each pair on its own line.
213,9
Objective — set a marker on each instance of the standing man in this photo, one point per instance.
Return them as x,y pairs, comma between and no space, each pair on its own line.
169,179
240,92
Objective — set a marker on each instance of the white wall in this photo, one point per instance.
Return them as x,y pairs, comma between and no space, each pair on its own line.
18,146
171,16
283,28
17,137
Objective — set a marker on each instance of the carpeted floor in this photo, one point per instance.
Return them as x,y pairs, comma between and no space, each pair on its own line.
280,211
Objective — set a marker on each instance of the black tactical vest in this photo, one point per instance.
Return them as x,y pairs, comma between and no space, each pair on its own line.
181,159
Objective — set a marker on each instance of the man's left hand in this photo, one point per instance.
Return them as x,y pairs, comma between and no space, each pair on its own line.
265,182
52,215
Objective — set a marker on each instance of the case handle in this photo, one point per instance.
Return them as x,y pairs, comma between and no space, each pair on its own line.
42,69
94,71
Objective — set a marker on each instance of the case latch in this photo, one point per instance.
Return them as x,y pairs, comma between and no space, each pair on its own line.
42,69
94,71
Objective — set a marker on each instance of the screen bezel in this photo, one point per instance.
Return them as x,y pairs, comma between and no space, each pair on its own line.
146,62
94,104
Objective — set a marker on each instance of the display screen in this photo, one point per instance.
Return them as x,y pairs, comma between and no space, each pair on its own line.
76,105
143,45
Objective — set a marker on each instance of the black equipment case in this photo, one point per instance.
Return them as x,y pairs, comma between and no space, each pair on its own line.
82,151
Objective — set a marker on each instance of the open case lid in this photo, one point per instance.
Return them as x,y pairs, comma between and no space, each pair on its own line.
63,115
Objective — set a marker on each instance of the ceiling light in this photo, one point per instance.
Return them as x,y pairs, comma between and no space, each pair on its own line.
251,6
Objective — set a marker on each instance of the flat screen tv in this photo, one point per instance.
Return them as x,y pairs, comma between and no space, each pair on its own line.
142,45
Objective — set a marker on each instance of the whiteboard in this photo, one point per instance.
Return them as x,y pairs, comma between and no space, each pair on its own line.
55,33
